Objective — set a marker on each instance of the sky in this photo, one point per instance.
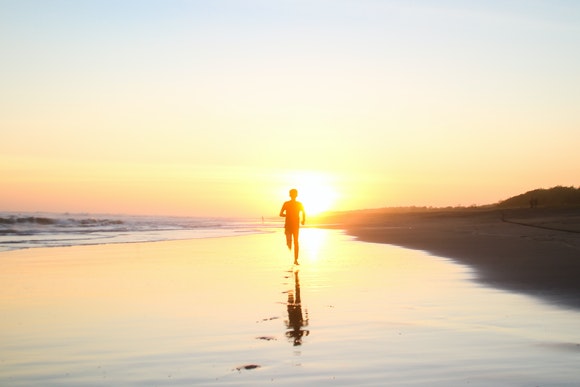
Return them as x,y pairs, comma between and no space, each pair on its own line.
218,108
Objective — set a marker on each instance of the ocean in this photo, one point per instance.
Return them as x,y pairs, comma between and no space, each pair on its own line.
29,230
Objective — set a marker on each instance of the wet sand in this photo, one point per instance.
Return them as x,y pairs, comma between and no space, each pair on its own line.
536,251
235,311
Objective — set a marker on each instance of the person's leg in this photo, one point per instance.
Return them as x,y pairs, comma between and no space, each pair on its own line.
288,238
296,246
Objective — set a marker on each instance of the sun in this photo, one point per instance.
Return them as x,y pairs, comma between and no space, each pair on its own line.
317,198
315,191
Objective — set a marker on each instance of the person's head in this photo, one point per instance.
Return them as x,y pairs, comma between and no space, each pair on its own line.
293,193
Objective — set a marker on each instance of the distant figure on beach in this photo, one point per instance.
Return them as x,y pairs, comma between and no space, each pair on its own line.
291,211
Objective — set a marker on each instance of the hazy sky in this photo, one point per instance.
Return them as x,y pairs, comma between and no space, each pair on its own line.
219,107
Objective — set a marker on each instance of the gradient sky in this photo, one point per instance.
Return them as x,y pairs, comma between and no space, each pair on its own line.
219,107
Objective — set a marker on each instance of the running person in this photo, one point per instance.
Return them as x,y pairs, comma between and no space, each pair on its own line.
291,211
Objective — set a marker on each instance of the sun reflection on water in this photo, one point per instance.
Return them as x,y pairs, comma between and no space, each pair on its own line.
312,241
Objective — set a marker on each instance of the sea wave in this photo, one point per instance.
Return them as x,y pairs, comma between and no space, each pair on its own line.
33,224
19,231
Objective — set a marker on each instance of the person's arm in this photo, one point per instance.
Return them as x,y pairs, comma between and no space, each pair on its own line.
303,216
283,210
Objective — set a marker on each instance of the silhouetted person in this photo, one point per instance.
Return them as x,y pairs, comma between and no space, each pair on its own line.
291,211
295,318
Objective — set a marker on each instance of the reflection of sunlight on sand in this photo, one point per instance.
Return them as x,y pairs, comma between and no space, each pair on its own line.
378,310
311,241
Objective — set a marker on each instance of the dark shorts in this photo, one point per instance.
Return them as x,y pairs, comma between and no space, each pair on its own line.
291,228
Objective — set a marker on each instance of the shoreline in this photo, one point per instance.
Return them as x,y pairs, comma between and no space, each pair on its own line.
135,238
532,251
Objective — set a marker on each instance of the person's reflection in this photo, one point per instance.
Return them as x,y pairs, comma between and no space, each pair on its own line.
296,320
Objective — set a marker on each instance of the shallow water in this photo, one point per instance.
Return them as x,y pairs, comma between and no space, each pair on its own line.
33,230
234,311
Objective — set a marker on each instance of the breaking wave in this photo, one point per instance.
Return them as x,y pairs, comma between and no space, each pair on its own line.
18,231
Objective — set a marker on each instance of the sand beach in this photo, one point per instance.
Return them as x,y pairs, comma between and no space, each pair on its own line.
235,311
536,251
